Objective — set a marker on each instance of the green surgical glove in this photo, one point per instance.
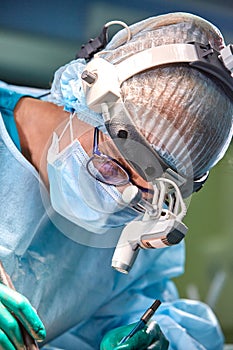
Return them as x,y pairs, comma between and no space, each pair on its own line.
13,303
150,335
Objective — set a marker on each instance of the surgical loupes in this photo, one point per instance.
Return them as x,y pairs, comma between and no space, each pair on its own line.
161,225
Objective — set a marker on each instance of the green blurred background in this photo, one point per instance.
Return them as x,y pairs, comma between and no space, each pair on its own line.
209,265
36,37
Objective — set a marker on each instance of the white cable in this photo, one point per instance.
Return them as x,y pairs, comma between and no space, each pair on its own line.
162,195
179,197
108,24
179,203
123,24
170,202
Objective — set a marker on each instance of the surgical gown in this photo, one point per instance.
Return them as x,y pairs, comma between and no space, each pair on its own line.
77,294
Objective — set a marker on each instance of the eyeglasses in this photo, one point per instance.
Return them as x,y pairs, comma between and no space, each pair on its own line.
107,169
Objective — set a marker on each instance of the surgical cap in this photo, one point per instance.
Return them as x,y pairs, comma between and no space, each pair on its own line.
182,112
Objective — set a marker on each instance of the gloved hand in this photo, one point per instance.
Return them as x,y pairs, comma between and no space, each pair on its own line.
13,303
150,335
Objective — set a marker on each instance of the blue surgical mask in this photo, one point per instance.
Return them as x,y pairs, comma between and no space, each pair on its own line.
80,198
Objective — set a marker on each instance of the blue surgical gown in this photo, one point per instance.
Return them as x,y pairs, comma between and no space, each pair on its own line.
8,101
79,297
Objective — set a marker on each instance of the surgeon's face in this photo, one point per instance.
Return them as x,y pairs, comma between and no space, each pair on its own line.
110,169
85,134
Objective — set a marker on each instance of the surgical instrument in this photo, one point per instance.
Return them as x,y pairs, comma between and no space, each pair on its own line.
143,320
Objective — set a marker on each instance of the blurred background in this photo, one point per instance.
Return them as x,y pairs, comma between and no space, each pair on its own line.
37,37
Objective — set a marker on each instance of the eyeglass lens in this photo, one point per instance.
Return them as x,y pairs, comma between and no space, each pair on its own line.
108,170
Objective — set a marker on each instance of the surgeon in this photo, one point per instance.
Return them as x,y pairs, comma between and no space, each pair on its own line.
65,173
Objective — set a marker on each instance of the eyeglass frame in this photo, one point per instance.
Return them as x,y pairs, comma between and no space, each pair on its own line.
97,152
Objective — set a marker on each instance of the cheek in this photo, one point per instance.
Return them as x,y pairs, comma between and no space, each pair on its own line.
86,140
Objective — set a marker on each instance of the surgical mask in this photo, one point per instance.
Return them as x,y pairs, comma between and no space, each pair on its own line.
76,195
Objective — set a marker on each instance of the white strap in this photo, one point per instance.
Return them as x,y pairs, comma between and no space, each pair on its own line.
155,56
